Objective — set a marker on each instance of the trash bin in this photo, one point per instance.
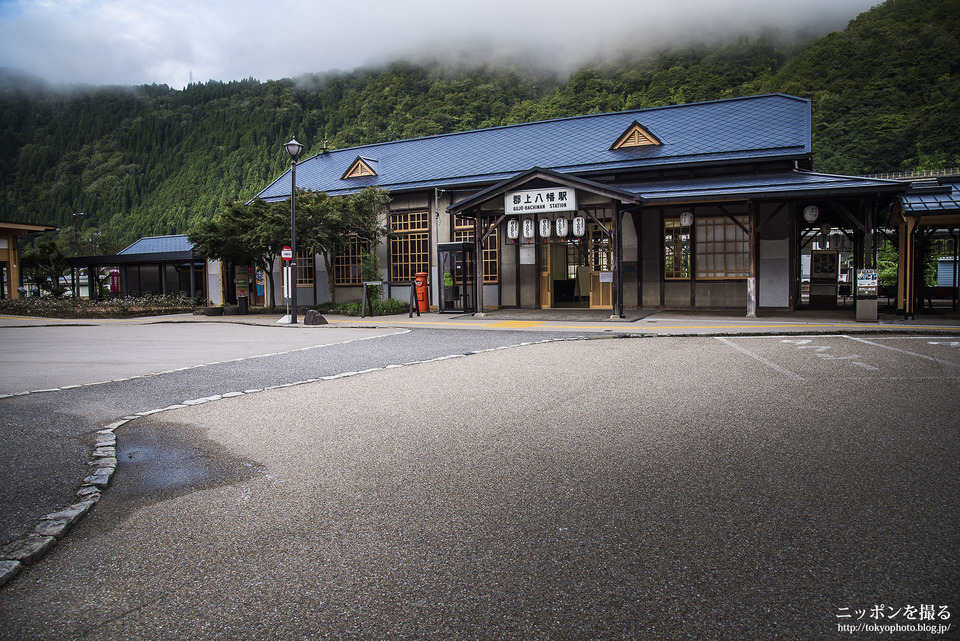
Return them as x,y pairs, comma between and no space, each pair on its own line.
242,304
423,300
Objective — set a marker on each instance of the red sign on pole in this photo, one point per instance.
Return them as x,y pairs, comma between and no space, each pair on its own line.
286,253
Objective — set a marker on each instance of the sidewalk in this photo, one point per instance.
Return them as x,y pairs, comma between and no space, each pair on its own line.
635,322
665,323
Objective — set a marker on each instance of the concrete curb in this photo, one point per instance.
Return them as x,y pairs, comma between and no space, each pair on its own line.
28,549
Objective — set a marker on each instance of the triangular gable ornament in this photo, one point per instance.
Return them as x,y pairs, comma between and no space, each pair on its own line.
361,167
636,135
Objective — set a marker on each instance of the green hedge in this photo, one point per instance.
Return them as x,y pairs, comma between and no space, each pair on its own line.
68,307
387,307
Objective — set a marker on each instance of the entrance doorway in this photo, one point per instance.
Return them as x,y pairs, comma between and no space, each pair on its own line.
577,273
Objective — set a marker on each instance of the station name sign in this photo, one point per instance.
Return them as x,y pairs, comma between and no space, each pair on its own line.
531,201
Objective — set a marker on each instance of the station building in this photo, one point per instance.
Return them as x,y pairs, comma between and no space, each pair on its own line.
696,206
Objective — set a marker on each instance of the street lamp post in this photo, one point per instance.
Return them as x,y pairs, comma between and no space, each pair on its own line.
293,148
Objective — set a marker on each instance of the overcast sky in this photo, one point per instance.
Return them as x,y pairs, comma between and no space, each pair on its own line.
132,42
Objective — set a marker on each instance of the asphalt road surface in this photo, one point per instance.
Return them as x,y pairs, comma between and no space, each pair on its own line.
84,377
661,488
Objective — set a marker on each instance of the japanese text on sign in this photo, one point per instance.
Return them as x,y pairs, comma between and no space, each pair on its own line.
533,200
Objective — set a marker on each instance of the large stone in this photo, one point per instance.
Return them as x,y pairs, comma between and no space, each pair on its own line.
313,317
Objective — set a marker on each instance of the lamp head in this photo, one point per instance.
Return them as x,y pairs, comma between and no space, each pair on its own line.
293,148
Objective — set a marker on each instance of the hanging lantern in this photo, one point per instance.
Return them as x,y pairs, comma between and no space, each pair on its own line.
561,227
579,226
528,228
811,213
513,229
545,227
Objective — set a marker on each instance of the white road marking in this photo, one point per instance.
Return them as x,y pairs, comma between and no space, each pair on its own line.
761,359
903,351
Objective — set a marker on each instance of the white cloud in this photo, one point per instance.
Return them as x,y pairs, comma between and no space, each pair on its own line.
145,41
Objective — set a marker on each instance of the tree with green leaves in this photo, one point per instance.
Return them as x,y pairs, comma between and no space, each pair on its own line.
45,262
326,225
257,231
244,233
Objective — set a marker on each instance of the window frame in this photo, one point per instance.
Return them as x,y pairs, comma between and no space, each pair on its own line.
306,270
348,263
409,243
681,242
462,230
720,237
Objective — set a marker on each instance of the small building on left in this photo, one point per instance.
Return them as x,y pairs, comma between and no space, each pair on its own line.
153,265
10,254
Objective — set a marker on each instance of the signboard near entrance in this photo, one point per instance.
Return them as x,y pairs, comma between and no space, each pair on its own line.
540,200
867,281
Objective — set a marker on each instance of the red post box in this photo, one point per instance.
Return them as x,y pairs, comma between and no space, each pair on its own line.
420,283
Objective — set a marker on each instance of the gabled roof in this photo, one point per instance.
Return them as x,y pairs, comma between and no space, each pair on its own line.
149,250
501,188
159,245
767,127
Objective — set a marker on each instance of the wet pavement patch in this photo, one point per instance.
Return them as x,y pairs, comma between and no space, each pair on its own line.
160,460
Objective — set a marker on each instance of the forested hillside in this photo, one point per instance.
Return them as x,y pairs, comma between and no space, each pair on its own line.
152,160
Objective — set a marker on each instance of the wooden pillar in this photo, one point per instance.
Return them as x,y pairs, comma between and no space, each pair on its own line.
956,264
193,277
908,268
752,289
478,265
618,261
637,217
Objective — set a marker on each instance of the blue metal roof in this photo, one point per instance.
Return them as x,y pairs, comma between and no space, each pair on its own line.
159,245
936,197
741,129
795,184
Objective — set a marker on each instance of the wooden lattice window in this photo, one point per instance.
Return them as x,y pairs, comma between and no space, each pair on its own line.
305,270
723,247
346,264
409,244
676,250
463,233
